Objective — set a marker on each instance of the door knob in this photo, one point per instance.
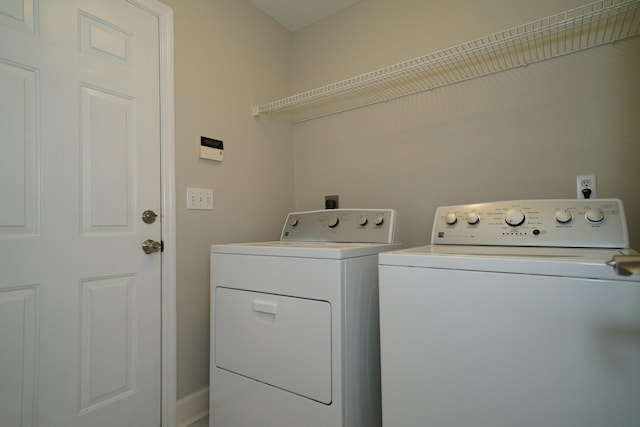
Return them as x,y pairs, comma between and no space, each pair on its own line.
149,216
150,246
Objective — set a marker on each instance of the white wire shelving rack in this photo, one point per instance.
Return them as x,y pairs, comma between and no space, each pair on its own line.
591,25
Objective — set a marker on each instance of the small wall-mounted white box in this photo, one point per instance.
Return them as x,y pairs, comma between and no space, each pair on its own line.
211,149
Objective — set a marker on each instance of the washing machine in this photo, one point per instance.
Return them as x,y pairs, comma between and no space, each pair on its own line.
519,313
294,323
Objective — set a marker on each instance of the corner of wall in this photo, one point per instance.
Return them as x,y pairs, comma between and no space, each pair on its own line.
193,407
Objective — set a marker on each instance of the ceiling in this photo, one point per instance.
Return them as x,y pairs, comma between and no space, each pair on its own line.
295,14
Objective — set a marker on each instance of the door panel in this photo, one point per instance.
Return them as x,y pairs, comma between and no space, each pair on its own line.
79,163
19,14
105,39
107,352
108,138
18,320
19,183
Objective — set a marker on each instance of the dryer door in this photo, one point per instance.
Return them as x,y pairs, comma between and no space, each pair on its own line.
278,340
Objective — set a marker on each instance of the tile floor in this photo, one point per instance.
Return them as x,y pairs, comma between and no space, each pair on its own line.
201,423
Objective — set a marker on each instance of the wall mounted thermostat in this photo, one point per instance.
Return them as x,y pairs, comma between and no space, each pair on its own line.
211,149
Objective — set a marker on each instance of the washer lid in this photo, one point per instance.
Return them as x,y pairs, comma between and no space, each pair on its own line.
567,262
325,250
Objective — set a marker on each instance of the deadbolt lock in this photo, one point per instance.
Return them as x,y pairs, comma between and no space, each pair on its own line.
149,216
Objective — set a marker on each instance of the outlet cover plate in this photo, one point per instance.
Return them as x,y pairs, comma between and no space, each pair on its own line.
586,182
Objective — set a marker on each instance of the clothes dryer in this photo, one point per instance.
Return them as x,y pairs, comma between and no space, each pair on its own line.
294,323
515,315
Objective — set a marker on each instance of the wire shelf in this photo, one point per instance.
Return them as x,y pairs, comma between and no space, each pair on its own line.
588,26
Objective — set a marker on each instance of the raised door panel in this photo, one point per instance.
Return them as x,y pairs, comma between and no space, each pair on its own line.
18,353
105,39
20,14
108,144
19,160
108,341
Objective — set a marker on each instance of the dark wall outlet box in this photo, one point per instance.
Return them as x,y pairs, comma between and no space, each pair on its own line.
331,202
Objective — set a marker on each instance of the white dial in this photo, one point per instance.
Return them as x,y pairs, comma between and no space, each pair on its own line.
379,219
294,222
595,216
362,221
333,221
472,218
563,216
514,217
450,218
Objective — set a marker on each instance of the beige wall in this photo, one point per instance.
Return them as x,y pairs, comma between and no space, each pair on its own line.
524,133
228,55
376,33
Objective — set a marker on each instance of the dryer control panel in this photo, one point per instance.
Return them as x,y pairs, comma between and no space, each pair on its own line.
594,223
342,226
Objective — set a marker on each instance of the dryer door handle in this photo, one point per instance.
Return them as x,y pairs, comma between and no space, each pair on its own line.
625,265
265,306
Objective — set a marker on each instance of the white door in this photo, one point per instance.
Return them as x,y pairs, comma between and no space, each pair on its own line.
80,322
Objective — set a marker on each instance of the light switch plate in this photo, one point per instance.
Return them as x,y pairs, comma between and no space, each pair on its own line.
200,198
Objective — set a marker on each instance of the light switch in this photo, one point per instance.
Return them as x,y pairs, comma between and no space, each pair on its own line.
200,198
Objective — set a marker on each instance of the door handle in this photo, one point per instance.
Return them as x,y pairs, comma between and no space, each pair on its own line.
150,246
264,306
625,265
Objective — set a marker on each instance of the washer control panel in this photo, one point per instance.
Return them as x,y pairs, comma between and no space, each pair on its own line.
342,226
596,223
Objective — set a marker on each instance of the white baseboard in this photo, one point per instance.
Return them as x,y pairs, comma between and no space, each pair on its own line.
193,407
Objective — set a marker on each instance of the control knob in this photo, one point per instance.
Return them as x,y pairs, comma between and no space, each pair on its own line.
295,222
362,221
595,216
379,220
514,217
563,216
333,221
472,218
450,218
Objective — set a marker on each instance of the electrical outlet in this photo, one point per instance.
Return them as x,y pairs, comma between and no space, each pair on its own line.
586,186
331,202
200,198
